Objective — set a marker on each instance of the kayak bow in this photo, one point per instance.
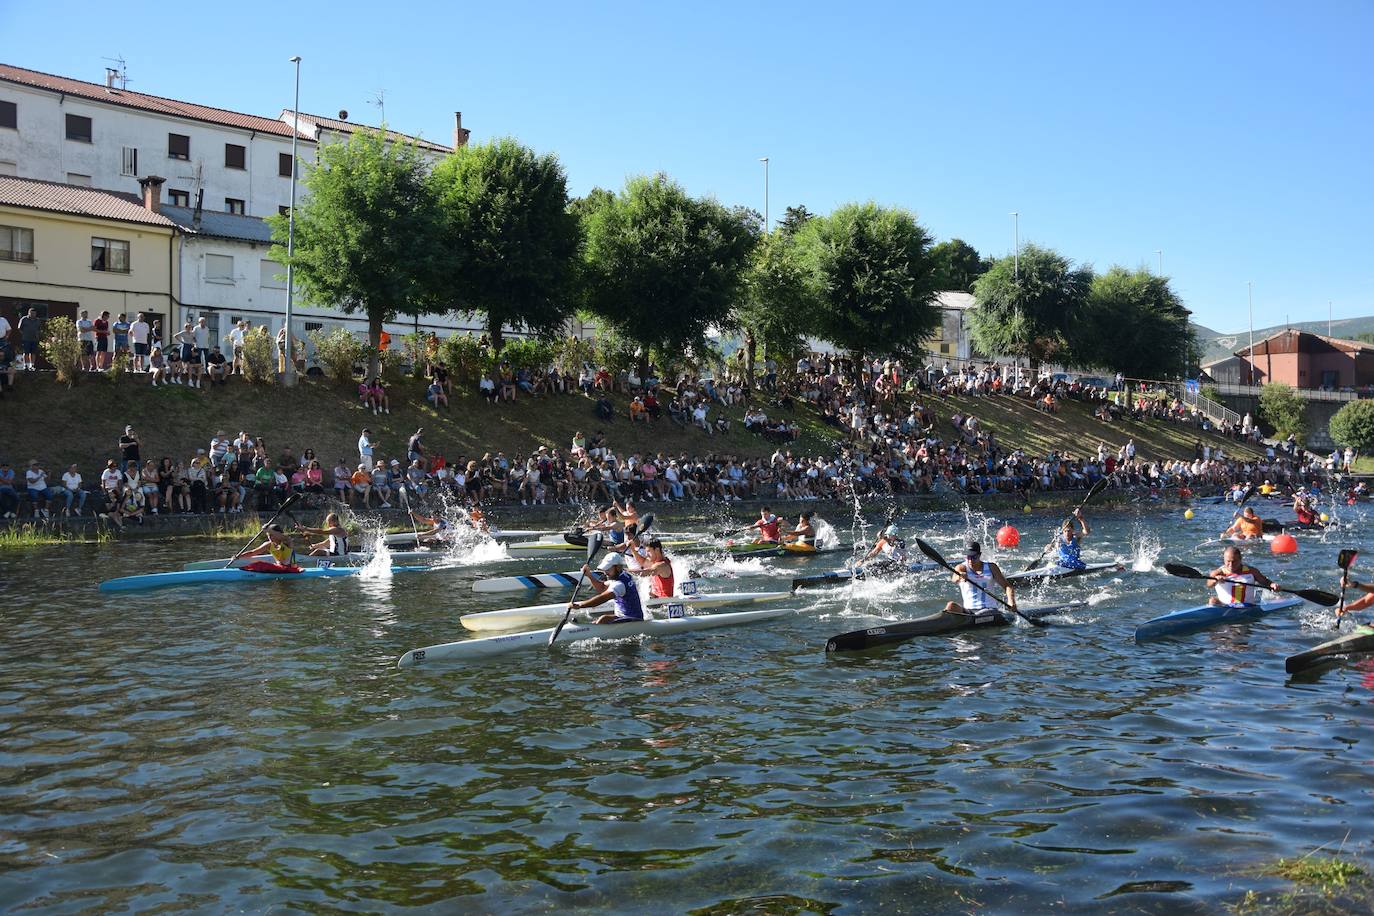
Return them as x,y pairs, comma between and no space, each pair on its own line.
1190,620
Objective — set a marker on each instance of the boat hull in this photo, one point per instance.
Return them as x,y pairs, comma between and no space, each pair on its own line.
1191,620
539,614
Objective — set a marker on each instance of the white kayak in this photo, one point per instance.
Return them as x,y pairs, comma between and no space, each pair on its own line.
678,605
308,562
401,538
1056,572
525,583
488,646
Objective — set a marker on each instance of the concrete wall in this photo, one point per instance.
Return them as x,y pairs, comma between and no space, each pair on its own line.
1318,415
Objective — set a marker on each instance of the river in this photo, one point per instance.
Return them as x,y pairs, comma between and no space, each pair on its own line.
256,748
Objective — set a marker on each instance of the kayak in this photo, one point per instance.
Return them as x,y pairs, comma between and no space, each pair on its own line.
860,572
400,538
352,559
1192,619
526,549
769,549
532,581
536,614
488,646
1358,641
209,576
939,622
1253,542
1054,573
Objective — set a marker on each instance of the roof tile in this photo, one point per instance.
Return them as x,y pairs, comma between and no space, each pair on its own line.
74,199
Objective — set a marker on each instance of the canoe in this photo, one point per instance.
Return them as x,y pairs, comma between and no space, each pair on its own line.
767,550
524,583
537,614
837,576
1054,573
1192,619
210,576
352,559
489,646
932,624
1356,642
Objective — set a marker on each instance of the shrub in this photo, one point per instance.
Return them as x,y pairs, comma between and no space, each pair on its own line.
391,363
259,357
1353,425
527,353
118,366
413,349
62,348
467,360
1283,410
618,354
337,353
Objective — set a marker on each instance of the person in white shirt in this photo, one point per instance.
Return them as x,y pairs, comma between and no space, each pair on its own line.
138,336
240,330
365,447
71,483
36,479
202,336
111,481
4,328
85,333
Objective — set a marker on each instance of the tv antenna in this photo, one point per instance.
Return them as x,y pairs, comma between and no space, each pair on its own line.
379,99
120,73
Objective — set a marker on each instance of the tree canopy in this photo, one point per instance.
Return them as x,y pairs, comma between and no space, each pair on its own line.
1353,425
794,218
1031,314
779,303
1281,407
510,240
872,269
957,265
1134,324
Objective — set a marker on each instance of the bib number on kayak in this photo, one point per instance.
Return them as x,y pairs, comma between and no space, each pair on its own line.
689,587
677,610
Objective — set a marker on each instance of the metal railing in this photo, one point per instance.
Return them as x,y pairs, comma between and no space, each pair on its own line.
1210,409
1311,394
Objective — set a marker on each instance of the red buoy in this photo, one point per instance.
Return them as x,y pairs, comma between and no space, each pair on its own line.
1007,536
1284,543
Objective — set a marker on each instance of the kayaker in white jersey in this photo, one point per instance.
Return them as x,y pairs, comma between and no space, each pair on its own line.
888,554
335,543
805,533
976,580
616,585
1245,583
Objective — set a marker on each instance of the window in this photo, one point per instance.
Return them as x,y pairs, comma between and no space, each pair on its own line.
9,114
78,128
284,165
110,255
178,146
234,156
128,161
219,268
233,205
178,198
16,244
8,168
273,275
77,178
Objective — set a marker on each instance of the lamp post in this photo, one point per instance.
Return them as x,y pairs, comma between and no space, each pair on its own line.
766,227
1160,252
1016,245
289,375
1250,292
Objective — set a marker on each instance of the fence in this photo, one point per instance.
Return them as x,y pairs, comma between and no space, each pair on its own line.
1213,411
1309,394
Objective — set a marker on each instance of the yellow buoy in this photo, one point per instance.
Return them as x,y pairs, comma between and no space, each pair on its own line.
1025,508
1188,514
1325,517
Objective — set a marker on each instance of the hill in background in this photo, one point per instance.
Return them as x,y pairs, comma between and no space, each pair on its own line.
1216,344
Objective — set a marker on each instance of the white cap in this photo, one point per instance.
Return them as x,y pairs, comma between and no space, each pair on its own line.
609,560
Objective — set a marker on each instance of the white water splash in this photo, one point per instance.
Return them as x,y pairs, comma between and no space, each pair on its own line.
378,565
827,538
1145,549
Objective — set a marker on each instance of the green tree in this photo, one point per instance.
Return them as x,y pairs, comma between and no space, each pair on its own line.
1029,314
780,301
1281,407
663,267
957,265
1353,425
366,234
1134,324
793,218
874,276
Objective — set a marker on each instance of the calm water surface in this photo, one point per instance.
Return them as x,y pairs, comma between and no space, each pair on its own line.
255,748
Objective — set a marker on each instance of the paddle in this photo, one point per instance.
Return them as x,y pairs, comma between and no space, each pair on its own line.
935,555
275,515
593,546
1315,595
730,532
1092,491
1345,559
405,498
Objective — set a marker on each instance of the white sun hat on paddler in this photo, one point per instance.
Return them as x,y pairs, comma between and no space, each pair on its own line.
609,560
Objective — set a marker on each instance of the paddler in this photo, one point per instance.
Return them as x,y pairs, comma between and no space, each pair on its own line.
890,551
769,527
278,547
436,529
616,585
654,563
805,533
335,543
1364,601
976,579
1070,544
1248,526
1243,579
1305,510
477,518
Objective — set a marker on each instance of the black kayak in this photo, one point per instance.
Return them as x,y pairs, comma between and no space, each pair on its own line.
932,625
1358,642
1047,573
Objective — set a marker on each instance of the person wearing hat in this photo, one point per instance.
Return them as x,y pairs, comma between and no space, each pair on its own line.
616,585
976,579
890,552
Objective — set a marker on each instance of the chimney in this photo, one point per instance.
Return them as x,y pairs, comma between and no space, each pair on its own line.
200,205
460,136
152,192
111,74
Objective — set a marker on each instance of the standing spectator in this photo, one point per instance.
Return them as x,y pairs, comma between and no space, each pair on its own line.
185,343
72,488
102,341
236,335
365,447
121,333
201,334
85,334
415,447
138,336
128,448
4,331
36,480
30,329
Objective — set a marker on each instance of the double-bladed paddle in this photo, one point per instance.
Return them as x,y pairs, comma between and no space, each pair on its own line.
1092,491
405,498
1315,595
935,555
593,546
1345,559
275,515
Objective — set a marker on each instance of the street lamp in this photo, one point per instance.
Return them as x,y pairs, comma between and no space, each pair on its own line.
289,375
1016,241
1250,292
764,160
1160,252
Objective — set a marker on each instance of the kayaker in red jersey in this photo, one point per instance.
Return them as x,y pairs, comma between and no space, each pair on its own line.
769,527
654,563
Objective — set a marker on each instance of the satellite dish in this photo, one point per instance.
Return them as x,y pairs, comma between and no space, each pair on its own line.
343,114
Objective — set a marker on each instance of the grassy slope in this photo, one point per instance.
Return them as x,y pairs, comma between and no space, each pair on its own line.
82,424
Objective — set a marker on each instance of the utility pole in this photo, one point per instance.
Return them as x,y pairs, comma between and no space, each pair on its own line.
766,227
1016,244
289,372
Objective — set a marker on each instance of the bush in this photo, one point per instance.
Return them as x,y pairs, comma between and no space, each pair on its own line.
62,348
1281,407
391,364
571,352
337,353
618,354
1211,393
118,366
1353,425
467,360
259,357
527,353
413,349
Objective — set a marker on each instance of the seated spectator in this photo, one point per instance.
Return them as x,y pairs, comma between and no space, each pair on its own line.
73,490
361,481
637,411
487,387
436,396
36,481
342,482
604,409
380,401
507,383
157,370
522,381
438,374
652,406
677,413
217,367
699,418
722,424
381,484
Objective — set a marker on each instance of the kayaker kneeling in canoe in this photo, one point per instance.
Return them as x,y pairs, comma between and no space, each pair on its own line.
890,553
804,534
335,543
1233,581
436,530
1364,601
976,579
278,547
1249,526
616,585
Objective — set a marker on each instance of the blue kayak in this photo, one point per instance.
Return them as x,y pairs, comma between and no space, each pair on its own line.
208,576
1193,619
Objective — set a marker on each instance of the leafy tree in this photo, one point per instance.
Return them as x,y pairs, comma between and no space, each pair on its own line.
780,299
1366,337
1281,407
874,276
366,234
510,239
663,267
957,265
794,218
1353,425
1135,324
1029,315
61,346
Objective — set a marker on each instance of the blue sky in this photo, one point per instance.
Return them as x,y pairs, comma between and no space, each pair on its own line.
1236,137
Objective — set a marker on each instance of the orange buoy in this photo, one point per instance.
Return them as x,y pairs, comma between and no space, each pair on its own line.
1284,543
1007,536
